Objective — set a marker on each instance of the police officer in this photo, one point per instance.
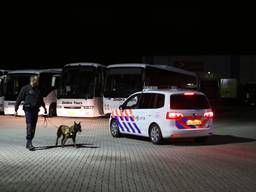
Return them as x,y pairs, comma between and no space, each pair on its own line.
33,100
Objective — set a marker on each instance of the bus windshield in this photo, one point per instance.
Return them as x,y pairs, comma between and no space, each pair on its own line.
1,87
77,82
14,84
45,83
123,81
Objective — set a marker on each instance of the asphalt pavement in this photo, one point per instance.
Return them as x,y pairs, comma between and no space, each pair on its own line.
103,163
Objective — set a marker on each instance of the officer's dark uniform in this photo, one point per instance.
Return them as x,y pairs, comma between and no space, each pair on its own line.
33,100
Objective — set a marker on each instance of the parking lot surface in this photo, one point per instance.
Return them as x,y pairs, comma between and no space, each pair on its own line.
103,163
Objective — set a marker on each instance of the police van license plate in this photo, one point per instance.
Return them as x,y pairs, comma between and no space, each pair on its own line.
194,122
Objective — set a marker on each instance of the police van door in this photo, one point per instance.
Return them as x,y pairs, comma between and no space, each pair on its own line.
142,109
127,116
149,110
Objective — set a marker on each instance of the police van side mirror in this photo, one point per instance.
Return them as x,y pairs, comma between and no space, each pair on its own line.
121,107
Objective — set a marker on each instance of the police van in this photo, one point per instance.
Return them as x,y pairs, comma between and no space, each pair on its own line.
161,114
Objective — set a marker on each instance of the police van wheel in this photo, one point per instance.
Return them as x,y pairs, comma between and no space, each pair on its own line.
155,134
114,129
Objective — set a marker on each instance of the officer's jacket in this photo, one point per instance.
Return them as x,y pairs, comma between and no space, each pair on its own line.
32,98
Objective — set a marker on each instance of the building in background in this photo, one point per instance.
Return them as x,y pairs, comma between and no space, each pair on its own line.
214,70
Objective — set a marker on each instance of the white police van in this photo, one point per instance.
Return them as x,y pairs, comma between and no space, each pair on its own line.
161,114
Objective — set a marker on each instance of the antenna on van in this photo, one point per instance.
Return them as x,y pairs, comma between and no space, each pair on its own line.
146,88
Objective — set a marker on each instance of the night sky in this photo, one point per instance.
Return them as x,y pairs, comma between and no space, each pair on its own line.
40,35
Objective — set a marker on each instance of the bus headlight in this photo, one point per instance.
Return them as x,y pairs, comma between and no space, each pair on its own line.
59,106
87,107
107,107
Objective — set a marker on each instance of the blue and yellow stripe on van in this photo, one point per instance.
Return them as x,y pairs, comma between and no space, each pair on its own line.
126,121
191,122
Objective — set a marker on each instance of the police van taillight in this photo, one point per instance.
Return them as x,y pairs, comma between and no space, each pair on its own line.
189,93
208,114
173,115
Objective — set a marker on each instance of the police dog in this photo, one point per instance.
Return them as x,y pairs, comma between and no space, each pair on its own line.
68,132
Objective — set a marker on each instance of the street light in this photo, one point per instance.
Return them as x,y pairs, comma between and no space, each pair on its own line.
209,74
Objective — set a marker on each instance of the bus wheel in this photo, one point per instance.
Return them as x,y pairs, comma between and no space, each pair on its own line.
155,134
52,110
114,129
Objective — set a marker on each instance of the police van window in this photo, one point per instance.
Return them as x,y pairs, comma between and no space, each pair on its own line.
181,101
132,102
146,101
151,101
158,101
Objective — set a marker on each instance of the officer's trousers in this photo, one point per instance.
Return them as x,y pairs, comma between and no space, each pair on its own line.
31,121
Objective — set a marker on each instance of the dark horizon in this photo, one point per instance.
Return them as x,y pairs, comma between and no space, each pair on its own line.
45,36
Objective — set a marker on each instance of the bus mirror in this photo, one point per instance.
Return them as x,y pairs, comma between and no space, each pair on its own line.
53,81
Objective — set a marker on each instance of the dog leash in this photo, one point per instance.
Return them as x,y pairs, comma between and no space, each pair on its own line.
47,121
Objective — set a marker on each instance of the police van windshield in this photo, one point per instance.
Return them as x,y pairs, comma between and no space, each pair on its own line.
182,101
123,81
77,82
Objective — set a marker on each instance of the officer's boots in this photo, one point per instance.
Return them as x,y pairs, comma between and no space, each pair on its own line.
29,145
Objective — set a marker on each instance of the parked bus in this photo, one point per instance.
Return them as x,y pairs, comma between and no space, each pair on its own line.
15,80
2,93
3,72
125,79
80,93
